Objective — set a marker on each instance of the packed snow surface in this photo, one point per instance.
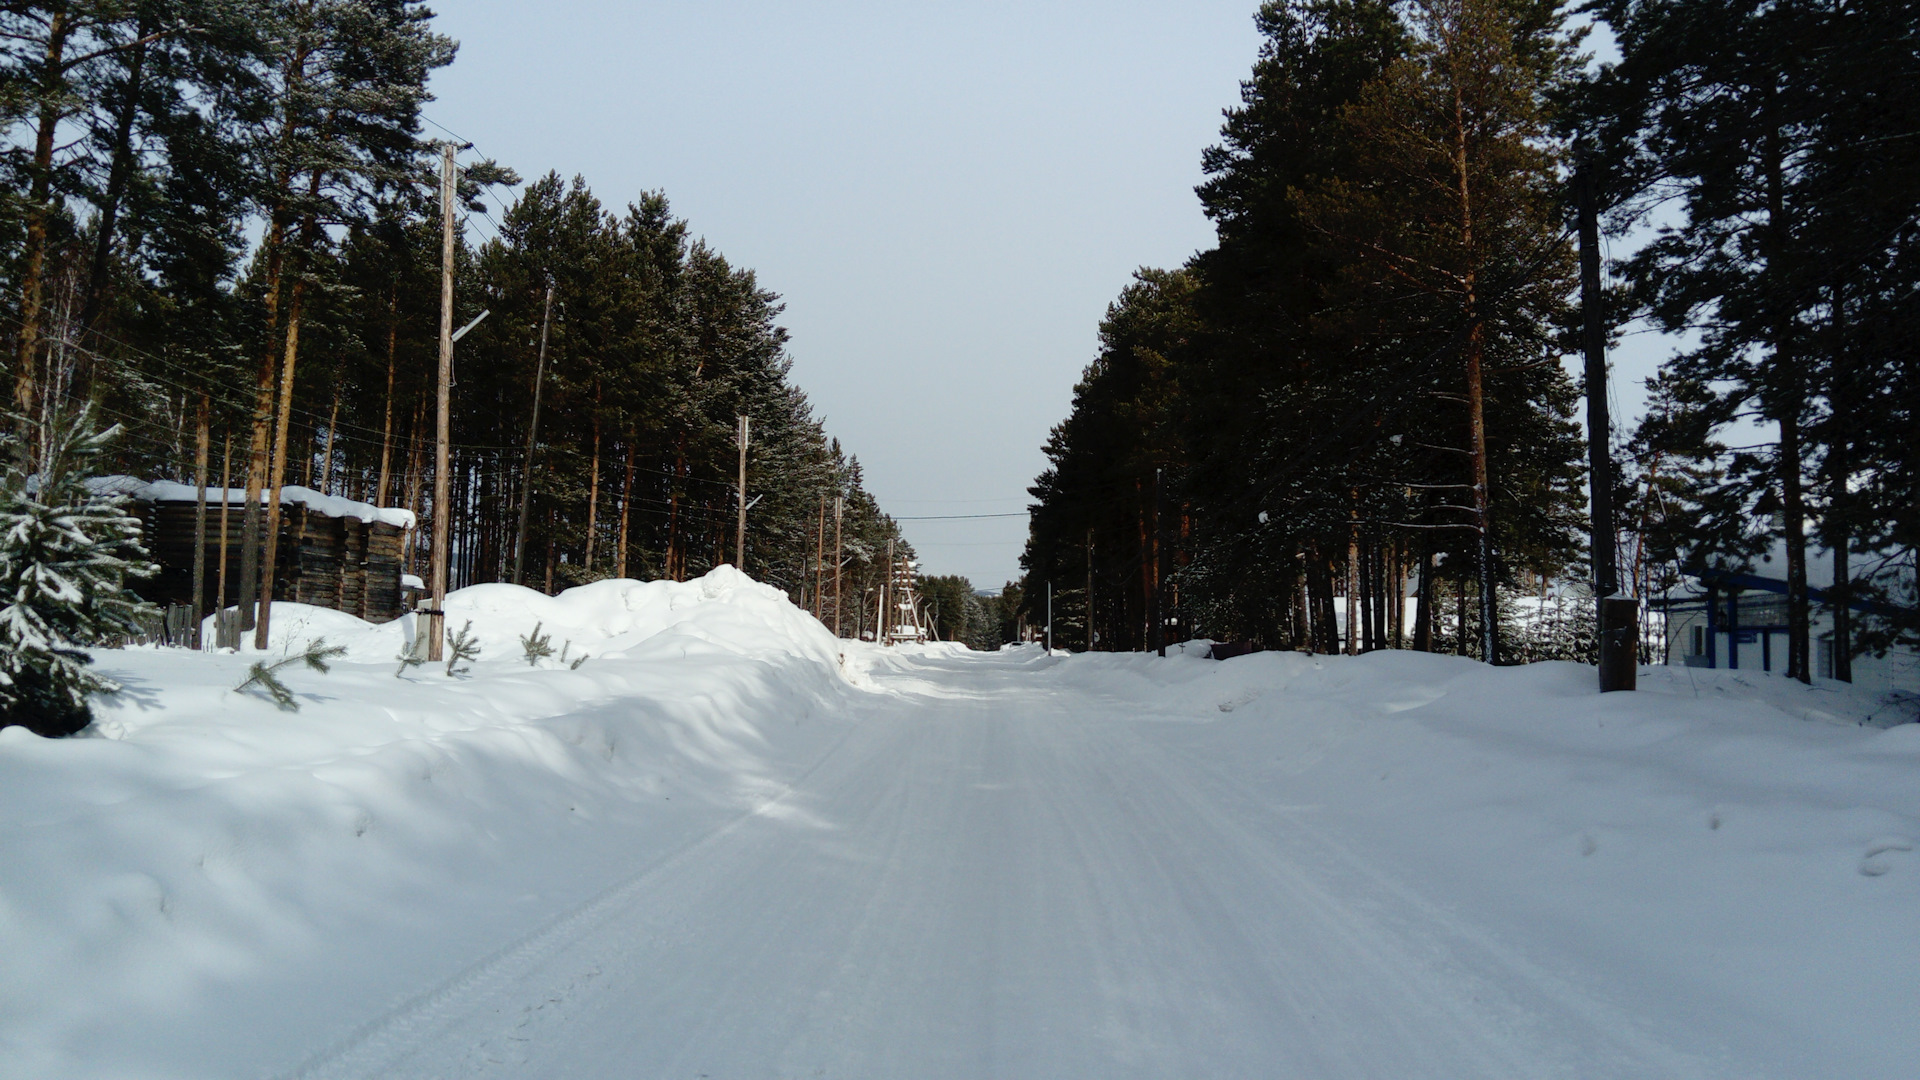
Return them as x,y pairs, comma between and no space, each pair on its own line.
729,845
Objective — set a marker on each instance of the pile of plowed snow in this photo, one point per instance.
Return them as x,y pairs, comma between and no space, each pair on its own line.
196,843
616,618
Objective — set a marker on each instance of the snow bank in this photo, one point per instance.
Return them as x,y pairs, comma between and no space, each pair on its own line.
725,611
203,852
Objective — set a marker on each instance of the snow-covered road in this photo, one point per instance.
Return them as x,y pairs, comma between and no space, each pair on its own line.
998,875
732,846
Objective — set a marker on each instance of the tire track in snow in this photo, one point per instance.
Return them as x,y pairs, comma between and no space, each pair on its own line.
379,1046
1459,952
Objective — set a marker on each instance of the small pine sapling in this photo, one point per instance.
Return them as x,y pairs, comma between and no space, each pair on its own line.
574,664
539,646
577,661
266,677
409,658
65,555
461,646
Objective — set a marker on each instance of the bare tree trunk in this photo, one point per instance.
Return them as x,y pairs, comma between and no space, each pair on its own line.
119,174
676,557
259,445
1788,401
326,455
1423,602
33,255
416,448
386,417
1351,581
283,416
626,506
593,490
820,558
226,489
200,448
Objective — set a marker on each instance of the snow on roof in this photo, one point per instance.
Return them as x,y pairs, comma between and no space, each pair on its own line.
327,505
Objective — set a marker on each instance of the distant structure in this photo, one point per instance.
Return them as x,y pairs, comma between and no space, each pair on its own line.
1729,619
333,552
906,622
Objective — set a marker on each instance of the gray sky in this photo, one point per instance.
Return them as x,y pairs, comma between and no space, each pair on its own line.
947,196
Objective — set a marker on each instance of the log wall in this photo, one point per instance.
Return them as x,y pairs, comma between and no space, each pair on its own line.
341,563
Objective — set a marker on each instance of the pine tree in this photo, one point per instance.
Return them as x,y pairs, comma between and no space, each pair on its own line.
65,556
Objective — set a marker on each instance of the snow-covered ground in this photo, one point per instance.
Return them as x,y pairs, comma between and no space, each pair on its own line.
730,845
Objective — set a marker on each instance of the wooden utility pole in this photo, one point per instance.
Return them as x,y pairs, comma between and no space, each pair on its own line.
1618,616
839,505
437,616
533,433
740,529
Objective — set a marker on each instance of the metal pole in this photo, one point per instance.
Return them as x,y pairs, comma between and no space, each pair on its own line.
1049,616
436,619
533,433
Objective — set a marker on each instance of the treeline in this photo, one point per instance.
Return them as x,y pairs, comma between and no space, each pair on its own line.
222,228
1362,383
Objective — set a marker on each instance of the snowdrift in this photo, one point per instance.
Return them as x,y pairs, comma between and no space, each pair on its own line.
198,851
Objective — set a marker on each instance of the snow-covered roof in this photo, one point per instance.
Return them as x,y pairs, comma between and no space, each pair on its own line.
319,503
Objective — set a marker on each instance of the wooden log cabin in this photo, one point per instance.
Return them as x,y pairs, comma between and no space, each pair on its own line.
333,552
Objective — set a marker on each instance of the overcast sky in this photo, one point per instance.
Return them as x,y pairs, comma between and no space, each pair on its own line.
947,196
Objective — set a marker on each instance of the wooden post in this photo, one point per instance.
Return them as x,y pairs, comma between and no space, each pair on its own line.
436,618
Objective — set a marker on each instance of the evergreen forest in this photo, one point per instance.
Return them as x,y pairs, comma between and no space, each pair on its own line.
223,230
1366,391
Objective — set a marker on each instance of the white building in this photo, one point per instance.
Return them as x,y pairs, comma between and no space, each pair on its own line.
1738,620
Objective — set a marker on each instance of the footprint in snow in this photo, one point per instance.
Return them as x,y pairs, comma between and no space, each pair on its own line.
1874,862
